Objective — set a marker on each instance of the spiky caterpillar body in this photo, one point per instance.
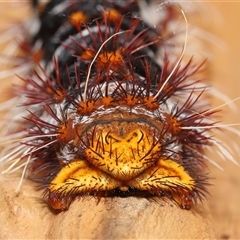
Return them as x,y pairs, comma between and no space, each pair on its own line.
104,118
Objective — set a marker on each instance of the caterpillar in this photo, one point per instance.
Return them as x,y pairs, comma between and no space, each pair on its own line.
103,116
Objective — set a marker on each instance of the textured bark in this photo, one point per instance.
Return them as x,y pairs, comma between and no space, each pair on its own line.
25,217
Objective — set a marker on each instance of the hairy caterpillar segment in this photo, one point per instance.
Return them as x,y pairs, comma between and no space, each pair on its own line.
104,118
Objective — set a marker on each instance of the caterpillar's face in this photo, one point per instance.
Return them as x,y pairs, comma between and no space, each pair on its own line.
127,146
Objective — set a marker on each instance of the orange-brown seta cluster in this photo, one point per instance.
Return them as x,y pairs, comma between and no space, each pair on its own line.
105,119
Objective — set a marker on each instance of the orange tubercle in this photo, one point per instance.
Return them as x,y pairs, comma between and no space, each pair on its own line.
66,132
77,18
112,14
112,59
86,107
150,103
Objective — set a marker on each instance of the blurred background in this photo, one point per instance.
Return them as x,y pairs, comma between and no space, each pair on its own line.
224,72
